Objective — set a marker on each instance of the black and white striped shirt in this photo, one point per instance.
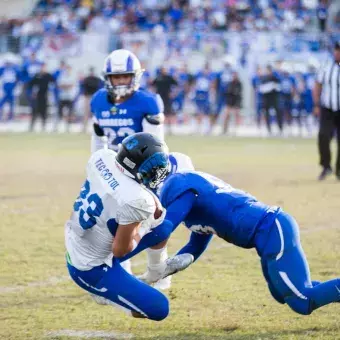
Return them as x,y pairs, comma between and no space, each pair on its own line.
329,78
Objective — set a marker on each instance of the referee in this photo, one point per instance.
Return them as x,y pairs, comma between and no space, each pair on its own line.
326,97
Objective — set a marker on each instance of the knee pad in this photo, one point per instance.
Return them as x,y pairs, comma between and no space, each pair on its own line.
275,294
300,306
161,310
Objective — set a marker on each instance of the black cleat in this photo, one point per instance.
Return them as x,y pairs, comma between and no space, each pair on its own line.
324,173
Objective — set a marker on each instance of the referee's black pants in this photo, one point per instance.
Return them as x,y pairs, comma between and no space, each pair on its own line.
329,125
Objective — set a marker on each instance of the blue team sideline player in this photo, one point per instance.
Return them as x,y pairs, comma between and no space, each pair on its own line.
10,76
121,109
210,207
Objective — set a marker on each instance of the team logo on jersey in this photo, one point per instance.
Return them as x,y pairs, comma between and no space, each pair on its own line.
113,110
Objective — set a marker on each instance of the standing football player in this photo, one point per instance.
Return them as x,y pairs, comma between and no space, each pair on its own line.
120,109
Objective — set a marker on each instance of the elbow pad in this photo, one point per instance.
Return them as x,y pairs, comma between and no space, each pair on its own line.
155,119
98,130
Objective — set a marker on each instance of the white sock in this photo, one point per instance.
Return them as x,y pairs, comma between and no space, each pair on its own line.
156,256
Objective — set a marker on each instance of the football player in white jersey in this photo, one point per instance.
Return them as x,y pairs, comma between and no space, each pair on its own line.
105,225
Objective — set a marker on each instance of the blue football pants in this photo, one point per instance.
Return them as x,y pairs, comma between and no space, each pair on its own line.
286,270
123,289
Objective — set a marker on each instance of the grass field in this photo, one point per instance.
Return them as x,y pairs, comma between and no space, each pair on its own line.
223,296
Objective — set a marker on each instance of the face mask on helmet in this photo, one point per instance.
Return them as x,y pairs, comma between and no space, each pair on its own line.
122,89
154,170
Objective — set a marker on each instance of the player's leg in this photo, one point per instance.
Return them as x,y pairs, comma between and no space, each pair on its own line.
34,113
116,287
2,103
157,256
337,166
275,294
226,119
266,109
324,137
11,106
43,113
288,269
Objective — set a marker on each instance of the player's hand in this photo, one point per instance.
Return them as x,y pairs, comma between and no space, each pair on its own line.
316,111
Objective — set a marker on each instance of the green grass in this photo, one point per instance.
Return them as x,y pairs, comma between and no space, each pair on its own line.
223,296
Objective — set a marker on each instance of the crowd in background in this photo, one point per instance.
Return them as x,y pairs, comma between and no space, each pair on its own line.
281,94
178,43
69,16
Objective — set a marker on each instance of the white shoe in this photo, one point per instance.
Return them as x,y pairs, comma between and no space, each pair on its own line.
163,284
171,266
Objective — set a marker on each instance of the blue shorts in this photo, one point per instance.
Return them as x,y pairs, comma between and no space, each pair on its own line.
203,107
123,289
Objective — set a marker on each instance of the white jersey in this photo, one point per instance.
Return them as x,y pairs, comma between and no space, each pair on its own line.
107,199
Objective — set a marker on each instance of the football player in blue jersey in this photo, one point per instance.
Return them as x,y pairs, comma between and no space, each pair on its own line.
203,87
9,76
210,207
121,109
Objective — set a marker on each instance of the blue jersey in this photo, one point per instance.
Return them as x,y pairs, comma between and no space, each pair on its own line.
10,76
224,78
31,68
219,209
288,84
256,82
121,120
203,86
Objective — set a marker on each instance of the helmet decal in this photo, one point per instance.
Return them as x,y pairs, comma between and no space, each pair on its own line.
132,143
129,64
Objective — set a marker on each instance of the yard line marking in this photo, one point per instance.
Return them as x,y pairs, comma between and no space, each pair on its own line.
87,334
57,280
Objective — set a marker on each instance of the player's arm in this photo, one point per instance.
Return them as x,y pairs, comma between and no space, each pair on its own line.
317,91
197,245
153,121
124,240
98,140
176,212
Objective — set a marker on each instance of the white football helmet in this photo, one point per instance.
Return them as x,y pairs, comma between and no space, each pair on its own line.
122,62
